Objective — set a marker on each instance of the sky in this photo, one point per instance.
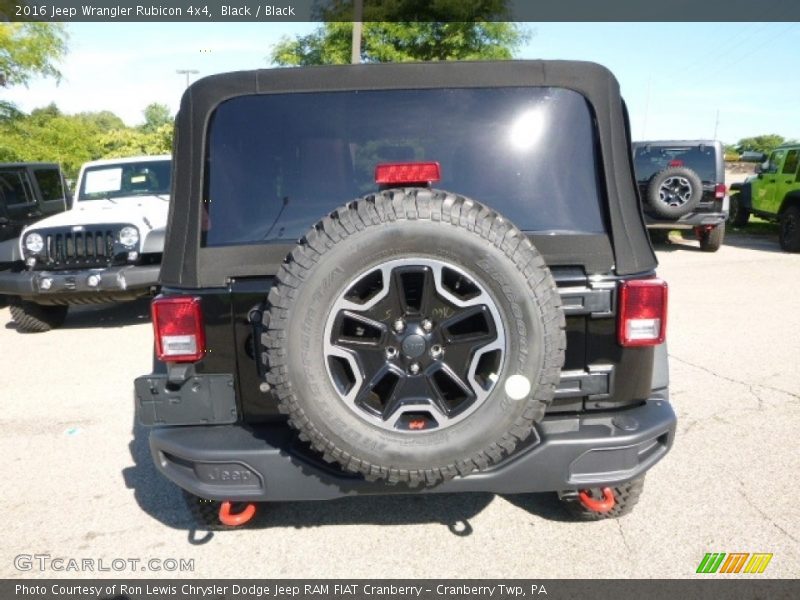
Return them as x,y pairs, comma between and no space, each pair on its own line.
680,80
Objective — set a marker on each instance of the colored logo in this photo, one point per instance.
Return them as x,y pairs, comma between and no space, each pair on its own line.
736,562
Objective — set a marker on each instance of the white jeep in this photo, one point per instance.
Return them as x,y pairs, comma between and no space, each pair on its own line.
106,248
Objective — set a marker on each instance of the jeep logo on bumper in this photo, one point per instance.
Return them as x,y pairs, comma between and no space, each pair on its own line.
226,474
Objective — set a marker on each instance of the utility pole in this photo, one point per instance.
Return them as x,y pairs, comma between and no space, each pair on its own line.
358,14
188,73
716,126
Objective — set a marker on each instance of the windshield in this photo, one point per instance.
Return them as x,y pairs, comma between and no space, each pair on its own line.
650,159
125,179
279,162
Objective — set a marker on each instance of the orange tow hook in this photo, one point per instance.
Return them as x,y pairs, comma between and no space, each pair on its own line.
597,505
226,518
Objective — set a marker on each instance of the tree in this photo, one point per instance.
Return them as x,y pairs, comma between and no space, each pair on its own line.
155,116
30,49
104,120
49,135
760,143
408,30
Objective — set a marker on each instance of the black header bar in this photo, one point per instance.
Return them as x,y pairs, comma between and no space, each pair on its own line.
215,11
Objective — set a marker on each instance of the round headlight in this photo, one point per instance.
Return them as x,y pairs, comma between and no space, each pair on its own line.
129,236
34,243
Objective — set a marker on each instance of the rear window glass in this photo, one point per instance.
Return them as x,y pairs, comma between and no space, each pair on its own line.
277,163
650,159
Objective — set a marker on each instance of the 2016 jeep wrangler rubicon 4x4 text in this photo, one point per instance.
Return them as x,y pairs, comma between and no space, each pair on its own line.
472,304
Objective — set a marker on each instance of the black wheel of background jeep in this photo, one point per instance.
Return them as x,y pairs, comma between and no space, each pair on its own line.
414,335
37,318
789,232
738,214
626,496
711,240
674,192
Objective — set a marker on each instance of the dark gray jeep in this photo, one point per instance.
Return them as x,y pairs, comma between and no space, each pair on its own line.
407,278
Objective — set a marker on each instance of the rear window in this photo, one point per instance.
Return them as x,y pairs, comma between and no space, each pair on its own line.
277,163
650,159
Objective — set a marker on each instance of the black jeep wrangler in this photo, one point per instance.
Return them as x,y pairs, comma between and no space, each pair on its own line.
28,192
407,278
682,184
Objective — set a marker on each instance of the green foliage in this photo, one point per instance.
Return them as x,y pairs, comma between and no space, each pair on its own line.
155,116
49,135
760,143
30,49
408,30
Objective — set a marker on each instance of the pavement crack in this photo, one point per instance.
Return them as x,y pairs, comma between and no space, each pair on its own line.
751,387
764,515
624,539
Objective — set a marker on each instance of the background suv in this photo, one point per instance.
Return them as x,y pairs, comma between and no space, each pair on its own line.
682,185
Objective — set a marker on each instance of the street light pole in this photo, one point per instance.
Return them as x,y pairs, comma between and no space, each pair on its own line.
358,13
188,73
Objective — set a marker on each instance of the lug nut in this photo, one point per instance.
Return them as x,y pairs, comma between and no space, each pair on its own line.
427,326
391,352
436,351
413,368
399,325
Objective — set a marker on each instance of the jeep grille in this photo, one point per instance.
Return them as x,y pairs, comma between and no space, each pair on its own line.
67,249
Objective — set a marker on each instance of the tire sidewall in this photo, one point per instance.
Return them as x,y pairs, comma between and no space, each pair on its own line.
520,310
790,243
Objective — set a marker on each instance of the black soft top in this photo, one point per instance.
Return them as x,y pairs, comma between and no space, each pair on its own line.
186,264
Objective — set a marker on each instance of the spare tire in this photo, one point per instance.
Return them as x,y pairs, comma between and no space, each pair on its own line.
674,192
414,335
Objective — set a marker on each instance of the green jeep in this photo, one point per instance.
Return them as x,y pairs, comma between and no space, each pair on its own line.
773,194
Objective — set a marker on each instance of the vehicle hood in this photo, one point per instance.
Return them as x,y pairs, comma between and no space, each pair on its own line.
148,213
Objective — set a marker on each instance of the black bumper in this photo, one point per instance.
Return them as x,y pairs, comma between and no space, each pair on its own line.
696,219
231,462
109,280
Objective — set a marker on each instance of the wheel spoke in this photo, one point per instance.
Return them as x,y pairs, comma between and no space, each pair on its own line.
355,330
414,345
450,391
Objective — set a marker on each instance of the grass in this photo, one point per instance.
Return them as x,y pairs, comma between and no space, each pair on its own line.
756,226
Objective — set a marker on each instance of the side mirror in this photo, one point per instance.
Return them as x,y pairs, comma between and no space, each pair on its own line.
759,169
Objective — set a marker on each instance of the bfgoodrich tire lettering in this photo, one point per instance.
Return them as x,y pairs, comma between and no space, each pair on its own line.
407,224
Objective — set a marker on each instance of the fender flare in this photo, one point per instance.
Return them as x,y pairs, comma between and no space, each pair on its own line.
746,195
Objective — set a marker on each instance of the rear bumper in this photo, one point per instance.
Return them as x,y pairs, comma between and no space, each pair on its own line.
697,219
28,284
231,462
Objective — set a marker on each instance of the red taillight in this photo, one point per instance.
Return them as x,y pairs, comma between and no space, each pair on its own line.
179,331
642,312
675,163
719,191
407,173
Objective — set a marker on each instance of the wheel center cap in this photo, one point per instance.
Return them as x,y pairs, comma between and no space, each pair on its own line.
414,346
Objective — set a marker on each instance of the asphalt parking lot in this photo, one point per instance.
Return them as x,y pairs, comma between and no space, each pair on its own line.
78,481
